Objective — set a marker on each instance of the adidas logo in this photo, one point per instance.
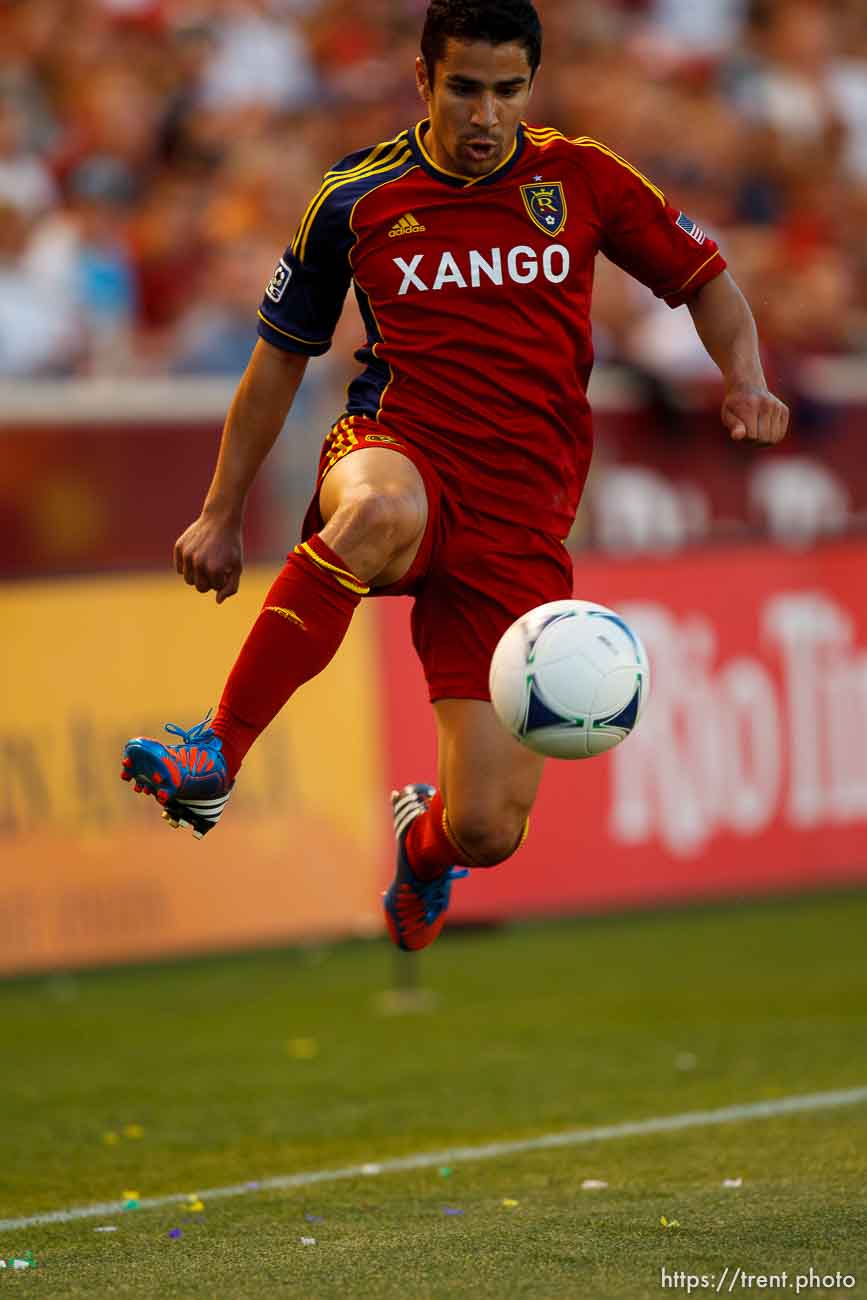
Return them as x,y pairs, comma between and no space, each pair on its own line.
288,614
407,225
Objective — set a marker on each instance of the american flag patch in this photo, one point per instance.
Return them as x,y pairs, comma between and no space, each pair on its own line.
695,232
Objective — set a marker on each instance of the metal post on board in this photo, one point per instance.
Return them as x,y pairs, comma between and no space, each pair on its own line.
406,996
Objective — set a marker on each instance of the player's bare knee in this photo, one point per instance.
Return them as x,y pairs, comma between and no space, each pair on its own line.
388,514
487,840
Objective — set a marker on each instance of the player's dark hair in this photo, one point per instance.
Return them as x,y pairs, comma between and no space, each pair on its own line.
496,21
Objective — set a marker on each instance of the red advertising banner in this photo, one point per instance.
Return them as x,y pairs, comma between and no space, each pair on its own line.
105,497
748,771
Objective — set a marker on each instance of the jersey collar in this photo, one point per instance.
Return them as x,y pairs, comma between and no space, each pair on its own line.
427,163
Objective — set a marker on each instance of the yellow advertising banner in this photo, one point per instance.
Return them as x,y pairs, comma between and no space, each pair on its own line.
89,872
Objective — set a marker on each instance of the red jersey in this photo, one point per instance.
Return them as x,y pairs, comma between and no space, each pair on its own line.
475,295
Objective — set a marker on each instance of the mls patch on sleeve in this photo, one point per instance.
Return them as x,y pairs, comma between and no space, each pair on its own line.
277,284
695,232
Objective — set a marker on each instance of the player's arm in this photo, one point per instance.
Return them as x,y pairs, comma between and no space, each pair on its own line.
725,325
209,554
297,318
666,250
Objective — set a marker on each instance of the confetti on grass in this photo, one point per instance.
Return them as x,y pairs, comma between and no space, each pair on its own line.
130,1200
193,1205
451,1209
733,1182
308,1241
132,1131
20,1261
107,1227
508,1203
669,1223
174,1233
445,1171
315,1218
593,1184
302,1049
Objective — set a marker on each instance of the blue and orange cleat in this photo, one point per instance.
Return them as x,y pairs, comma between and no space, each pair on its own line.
189,780
415,910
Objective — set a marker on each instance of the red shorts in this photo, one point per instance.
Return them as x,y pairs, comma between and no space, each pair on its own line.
473,574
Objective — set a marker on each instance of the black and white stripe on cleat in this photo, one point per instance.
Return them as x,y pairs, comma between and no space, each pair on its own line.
409,803
200,815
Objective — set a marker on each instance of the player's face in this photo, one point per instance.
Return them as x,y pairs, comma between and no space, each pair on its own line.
479,95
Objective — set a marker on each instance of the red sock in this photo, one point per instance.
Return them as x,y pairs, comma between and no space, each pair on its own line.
301,624
428,846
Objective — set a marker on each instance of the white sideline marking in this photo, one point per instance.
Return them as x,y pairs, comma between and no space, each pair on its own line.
453,1155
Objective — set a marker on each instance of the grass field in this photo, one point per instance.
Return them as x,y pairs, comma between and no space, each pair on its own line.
237,1069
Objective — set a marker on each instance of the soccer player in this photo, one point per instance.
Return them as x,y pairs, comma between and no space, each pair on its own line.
455,471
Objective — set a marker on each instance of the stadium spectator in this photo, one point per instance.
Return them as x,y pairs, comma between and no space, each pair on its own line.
216,333
25,180
82,256
753,112
32,342
260,58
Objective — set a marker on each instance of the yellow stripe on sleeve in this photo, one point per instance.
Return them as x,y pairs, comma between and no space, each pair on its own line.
370,158
714,254
585,142
539,133
311,343
541,136
398,155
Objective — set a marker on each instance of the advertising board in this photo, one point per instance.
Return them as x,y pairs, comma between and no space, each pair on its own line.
88,871
748,771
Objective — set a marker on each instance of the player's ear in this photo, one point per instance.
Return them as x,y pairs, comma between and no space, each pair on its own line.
421,79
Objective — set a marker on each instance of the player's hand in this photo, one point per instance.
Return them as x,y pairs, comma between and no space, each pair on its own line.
209,556
753,414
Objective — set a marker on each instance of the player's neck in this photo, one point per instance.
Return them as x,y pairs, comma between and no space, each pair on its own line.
442,159
436,152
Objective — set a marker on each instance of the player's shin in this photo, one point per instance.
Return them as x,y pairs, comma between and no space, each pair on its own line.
302,622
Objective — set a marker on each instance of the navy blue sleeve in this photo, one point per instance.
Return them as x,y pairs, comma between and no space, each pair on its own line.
304,298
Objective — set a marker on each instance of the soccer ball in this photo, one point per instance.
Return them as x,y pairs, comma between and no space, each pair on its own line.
569,679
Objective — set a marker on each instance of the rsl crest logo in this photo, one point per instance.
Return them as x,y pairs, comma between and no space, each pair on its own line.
546,206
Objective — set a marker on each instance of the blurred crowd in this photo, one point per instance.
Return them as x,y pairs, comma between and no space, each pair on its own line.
155,156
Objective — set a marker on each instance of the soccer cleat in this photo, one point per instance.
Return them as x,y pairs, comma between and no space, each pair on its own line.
415,910
189,780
